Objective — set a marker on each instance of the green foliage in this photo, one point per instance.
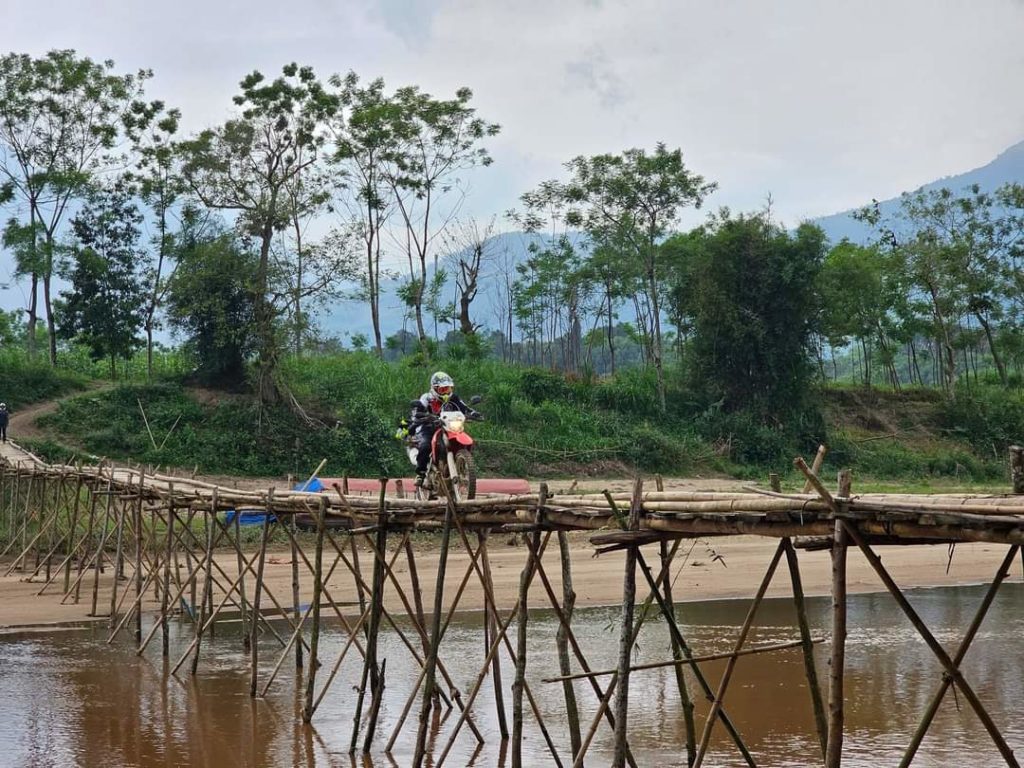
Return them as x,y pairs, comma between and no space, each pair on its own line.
223,436
753,316
210,301
989,418
103,309
24,381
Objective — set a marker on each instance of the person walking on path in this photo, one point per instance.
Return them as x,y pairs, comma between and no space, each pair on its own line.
5,416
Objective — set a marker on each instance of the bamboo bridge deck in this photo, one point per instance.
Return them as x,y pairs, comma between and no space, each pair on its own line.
65,524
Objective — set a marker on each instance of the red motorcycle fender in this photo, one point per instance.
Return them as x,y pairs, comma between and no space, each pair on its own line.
461,438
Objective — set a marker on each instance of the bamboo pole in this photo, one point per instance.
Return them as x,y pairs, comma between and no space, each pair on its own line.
572,714
435,636
816,465
625,634
295,588
241,578
807,648
730,666
377,676
491,633
165,606
755,651
314,640
207,598
684,646
254,646
138,560
935,646
677,653
965,644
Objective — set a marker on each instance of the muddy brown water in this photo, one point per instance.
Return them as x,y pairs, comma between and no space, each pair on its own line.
69,699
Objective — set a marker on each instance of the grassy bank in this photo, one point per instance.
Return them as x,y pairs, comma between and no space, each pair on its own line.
24,381
538,424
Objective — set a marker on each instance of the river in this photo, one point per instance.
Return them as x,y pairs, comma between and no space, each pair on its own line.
69,699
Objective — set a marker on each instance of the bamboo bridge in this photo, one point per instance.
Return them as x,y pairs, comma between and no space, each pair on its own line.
68,525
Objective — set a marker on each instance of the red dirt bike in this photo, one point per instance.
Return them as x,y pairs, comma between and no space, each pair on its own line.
451,454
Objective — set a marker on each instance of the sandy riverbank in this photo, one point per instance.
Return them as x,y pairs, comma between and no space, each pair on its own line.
700,575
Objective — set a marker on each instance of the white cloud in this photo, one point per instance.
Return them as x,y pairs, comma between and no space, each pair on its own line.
824,105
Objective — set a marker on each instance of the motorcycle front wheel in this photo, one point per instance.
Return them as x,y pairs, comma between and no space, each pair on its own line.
466,467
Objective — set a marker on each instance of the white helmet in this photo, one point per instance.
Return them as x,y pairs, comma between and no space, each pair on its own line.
442,385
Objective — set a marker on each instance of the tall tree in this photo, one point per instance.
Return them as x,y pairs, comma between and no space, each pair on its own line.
246,165
470,251
210,302
104,307
152,128
754,312
860,289
635,198
60,118
362,136
429,143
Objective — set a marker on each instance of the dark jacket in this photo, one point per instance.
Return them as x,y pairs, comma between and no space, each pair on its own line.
4,417
432,404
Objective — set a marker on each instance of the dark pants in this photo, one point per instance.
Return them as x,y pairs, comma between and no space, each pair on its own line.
3,432
423,439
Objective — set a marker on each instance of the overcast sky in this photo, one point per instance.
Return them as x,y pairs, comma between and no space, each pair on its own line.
822,104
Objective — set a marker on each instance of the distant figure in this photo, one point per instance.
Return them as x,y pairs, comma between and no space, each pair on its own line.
4,418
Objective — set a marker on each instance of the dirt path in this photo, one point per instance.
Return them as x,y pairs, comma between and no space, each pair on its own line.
23,421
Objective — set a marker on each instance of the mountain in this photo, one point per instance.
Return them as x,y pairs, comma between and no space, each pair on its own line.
1007,167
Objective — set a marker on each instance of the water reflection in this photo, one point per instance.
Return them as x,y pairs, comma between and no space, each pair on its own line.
67,698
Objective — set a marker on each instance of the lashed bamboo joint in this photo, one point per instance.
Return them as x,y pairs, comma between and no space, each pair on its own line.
68,523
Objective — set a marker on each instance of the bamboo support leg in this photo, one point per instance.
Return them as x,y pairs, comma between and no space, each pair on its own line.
87,553
518,684
625,632
435,638
834,751
377,675
492,626
972,630
677,654
117,558
254,646
314,641
296,632
295,590
572,714
165,635
207,597
951,668
820,719
138,567
241,581
98,559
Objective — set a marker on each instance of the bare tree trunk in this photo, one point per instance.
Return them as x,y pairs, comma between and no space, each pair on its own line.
1000,366
33,315
51,329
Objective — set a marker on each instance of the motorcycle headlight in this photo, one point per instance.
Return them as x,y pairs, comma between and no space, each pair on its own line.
457,425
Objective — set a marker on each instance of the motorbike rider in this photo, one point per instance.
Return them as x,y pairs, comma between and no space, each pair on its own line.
441,395
4,417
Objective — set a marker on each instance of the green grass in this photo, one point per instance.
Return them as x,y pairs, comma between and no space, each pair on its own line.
24,381
538,424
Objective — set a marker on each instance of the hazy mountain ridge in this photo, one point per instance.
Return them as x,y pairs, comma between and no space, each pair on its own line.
1007,167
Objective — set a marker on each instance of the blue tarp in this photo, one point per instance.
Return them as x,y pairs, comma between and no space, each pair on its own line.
255,516
247,516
